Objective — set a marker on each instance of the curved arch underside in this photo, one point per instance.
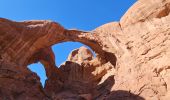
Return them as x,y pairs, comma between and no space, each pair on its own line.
140,42
33,41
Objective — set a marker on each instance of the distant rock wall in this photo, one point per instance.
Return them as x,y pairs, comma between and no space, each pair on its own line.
132,58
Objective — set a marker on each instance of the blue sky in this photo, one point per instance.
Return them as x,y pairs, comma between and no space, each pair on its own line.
79,14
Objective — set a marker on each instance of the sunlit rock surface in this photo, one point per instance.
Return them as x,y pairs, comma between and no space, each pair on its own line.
132,58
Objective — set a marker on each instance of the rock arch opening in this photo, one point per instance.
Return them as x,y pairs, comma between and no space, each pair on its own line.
63,50
36,41
50,59
37,37
39,69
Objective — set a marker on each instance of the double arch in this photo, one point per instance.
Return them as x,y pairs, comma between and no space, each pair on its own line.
35,38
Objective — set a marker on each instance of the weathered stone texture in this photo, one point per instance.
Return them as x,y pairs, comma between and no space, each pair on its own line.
132,58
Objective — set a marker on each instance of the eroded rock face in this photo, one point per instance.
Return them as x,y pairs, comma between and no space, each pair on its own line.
80,55
132,58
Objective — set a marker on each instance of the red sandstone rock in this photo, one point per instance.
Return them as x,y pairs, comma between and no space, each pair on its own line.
132,58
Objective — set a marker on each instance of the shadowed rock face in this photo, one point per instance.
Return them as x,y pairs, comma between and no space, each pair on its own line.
132,62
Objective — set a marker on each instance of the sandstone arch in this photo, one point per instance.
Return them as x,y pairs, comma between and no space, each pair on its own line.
140,42
34,38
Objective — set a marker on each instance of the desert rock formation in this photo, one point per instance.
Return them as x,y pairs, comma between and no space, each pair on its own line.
132,58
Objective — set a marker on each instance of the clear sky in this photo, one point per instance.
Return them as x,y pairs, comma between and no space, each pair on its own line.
79,14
